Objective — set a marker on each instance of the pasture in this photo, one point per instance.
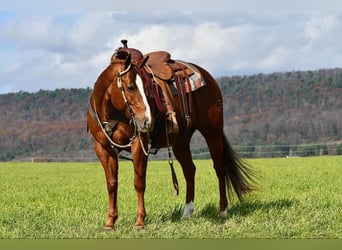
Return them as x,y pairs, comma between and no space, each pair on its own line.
297,198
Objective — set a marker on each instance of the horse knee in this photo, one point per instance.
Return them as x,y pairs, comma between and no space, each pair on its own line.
112,185
139,186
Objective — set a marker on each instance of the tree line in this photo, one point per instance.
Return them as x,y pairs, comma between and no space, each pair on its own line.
294,113
290,111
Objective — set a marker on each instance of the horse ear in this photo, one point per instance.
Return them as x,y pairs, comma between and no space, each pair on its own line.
128,61
141,63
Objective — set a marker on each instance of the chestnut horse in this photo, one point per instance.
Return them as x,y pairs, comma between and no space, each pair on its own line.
122,116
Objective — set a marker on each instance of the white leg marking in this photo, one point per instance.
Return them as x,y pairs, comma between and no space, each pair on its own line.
188,209
223,214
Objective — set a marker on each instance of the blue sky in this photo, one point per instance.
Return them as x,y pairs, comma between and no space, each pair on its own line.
67,44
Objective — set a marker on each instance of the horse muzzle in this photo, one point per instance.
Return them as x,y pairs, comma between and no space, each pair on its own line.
145,125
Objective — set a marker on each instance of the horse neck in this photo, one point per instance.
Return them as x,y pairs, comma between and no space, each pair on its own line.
107,96
99,100
102,94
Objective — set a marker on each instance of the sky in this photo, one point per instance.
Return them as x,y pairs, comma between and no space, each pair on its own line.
67,44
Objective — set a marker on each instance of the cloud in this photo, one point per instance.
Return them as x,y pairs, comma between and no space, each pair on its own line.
175,5
317,26
47,50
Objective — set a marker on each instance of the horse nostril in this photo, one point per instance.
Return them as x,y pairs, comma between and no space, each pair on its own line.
146,123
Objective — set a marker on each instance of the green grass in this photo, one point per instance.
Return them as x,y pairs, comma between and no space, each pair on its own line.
298,198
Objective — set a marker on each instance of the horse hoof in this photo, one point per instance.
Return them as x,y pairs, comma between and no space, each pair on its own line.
139,227
108,228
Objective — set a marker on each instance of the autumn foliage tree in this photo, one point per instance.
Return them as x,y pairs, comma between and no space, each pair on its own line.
266,115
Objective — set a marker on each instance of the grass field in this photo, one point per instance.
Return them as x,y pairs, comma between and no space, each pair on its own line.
297,198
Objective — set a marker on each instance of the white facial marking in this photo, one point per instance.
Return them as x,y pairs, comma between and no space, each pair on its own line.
140,86
188,209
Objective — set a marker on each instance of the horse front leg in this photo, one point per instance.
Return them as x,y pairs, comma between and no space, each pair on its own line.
140,166
110,166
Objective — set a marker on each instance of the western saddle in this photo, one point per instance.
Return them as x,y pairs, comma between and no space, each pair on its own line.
174,78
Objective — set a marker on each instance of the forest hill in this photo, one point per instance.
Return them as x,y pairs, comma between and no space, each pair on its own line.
266,115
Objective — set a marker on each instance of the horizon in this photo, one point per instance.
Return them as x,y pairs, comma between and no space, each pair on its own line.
216,78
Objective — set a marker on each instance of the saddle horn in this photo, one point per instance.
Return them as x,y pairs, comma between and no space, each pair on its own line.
124,43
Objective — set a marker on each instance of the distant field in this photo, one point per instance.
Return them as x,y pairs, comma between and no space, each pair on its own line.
298,198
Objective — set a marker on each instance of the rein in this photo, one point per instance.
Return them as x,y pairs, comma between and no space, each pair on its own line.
93,113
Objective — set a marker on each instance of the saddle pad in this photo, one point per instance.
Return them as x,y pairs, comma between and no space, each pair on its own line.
196,80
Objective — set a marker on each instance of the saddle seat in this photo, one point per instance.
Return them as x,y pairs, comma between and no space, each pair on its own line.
164,67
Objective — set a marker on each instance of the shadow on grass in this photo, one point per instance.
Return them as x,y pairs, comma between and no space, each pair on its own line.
173,215
244,209
177,213
211,211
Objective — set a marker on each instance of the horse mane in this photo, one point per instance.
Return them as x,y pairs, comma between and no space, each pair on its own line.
123,53
119,55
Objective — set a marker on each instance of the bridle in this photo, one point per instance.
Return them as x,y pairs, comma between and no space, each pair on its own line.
133,120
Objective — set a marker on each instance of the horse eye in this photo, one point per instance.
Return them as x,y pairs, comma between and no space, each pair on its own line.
130,87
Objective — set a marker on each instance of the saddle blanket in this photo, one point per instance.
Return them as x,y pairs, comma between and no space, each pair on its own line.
196,80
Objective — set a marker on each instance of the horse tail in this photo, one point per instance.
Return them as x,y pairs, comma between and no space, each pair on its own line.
240,176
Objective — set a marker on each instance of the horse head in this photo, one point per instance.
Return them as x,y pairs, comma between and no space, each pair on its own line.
130,81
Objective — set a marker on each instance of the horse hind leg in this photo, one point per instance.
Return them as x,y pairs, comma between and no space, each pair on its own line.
183,154
233,173
216,149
